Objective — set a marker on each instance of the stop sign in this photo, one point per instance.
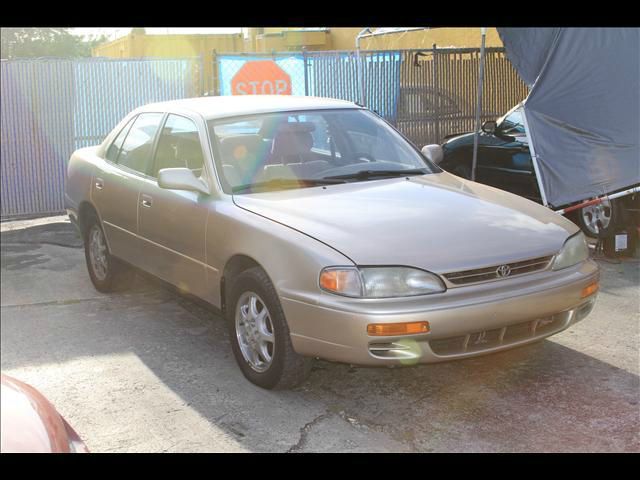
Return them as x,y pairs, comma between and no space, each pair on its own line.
262,77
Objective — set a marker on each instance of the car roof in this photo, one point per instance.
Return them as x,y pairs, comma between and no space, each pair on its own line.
236,105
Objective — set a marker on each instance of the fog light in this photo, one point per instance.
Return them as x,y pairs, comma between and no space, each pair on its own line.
589,290
392,329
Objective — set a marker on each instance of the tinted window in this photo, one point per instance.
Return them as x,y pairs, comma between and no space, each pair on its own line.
136,149
114,148
179,146
512,122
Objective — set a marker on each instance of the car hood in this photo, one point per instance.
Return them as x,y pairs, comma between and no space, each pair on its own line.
438,222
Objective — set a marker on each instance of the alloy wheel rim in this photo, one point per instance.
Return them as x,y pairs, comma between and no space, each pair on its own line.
593,213
254,331
98,253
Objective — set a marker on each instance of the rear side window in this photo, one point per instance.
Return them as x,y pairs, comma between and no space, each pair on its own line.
116,145
179,146
135,152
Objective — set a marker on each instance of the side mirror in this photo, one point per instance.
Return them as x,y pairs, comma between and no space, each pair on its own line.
181,179
489,126
433,153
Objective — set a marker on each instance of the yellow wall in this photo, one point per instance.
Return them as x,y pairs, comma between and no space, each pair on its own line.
139,45
341,38
289,39
344,38
442,37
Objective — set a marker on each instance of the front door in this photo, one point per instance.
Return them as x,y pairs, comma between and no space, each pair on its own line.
172,223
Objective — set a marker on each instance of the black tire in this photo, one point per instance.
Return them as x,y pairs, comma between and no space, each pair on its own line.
613,212
119,276
287,368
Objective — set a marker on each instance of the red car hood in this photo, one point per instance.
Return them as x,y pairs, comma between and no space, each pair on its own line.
30,424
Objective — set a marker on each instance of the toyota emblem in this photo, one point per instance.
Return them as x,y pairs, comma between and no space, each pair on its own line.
503,271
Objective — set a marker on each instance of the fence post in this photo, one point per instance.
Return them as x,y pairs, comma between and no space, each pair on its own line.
436,90
201,73
215,87
306,76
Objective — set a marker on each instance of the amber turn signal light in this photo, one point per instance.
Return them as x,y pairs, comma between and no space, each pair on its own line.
589,290
390,329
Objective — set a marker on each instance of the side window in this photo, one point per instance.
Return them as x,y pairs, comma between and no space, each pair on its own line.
116,145
136,149
513,123
522,161
179,146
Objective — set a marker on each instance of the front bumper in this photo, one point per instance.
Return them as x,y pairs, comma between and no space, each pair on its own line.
464,321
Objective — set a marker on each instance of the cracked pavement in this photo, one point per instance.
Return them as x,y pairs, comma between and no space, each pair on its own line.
147,370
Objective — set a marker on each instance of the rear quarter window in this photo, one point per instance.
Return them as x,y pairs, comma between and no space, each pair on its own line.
116,145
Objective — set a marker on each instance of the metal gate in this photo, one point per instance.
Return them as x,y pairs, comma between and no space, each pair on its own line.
439,88
51,107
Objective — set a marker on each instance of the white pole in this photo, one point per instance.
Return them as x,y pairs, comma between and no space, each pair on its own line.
534,157
598,200
483,32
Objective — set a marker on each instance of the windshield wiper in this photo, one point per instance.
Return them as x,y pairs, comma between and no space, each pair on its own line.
366,174
286,183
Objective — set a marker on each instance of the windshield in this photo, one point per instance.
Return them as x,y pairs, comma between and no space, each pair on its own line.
512,122
301,149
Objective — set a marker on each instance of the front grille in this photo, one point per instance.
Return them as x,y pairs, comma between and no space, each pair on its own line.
478,341
492,273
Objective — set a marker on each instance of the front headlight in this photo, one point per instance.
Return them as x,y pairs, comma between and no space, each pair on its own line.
574,251
379,282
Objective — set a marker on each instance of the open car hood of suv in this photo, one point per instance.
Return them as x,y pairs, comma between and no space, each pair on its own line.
437,222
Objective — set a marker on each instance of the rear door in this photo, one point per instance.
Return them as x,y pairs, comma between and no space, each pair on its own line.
115,189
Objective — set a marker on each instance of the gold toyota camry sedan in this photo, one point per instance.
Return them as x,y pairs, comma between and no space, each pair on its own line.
320,231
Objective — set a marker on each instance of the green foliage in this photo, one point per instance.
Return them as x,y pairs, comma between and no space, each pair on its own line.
44,42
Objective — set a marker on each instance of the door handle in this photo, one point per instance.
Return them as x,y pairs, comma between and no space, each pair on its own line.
99,183
147,201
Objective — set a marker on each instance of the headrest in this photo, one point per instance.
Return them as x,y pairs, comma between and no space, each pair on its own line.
291,143
296,127
237,148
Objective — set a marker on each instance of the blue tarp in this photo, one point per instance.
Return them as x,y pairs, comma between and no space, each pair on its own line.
583,109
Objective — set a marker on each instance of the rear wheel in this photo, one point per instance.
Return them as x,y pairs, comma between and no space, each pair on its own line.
107,273
259,333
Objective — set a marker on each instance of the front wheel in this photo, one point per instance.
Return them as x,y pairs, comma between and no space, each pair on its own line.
259,334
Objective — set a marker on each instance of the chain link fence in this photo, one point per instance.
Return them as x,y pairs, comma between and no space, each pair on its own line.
51,107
